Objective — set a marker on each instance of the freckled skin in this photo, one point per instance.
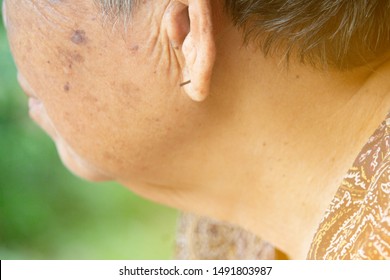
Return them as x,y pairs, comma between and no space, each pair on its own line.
66,87
98,95
79,37
134,48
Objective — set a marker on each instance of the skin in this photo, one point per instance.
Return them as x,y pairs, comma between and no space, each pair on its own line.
265,149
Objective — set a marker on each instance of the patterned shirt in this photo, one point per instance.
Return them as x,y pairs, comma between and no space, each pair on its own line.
357,223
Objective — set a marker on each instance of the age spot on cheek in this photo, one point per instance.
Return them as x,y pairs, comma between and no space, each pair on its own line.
134,49
79,37
67,87
68,58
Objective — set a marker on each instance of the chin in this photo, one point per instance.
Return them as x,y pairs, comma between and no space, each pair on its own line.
87,175
79,167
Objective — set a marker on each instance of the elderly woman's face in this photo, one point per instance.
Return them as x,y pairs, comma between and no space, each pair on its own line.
108,96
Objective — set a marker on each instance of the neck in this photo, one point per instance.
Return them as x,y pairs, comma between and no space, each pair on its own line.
292,135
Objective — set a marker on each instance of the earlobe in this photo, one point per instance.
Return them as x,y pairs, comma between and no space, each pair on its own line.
190,31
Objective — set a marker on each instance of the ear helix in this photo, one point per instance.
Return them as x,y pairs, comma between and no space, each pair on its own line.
190,32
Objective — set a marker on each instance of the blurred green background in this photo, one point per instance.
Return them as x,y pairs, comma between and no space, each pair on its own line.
47,213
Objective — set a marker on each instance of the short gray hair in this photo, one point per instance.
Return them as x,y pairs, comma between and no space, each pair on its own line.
116,8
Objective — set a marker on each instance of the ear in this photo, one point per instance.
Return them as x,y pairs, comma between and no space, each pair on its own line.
190,31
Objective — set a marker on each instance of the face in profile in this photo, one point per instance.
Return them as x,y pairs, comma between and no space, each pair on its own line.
108,96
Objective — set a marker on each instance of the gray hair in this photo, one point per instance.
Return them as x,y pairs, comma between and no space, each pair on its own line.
341,33
117,8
